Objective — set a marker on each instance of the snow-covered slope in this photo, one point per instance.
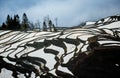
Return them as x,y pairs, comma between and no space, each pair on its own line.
111,25
89,23
45,52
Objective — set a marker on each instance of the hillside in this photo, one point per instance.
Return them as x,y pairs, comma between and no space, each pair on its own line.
81,52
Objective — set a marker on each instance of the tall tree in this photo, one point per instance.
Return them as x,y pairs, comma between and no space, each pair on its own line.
8,20
50,25
10,23
25,22
17,21
3,27
13,23
44,26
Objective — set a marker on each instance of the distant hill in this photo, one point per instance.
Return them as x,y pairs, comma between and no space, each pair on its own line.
100,22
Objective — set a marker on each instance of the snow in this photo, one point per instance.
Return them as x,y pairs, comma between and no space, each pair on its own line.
5,73
14,43
89,23
112,25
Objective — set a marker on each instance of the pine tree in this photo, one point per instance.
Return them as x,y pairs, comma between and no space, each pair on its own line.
17,22
13,23
50,25
8,20
44,26
4,27
10,23
25,22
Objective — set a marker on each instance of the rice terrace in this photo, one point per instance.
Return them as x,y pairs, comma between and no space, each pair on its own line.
89,51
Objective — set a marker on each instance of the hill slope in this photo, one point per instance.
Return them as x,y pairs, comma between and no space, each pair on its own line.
49,54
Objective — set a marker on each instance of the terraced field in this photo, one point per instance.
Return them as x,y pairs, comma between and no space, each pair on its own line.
54,54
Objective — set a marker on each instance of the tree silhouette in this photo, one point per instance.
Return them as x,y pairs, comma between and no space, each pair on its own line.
12,23
25,22
44,26
50,25
9,21
16,22
4,26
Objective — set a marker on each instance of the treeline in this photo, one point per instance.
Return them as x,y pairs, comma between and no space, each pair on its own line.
14,23
48,25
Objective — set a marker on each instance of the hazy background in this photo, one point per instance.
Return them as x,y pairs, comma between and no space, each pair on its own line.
68,12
